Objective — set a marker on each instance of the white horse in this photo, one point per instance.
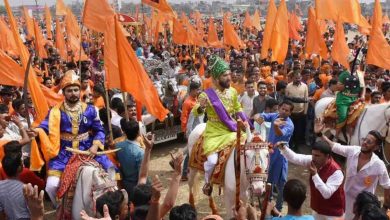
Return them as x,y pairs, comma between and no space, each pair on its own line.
255,159
92,181
373,117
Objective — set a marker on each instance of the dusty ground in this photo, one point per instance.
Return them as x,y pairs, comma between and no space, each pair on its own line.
159,166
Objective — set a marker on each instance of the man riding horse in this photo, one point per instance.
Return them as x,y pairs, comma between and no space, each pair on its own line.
222,107
71,124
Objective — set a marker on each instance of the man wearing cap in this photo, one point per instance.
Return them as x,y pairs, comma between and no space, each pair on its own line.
364,169
222,107
71,124
326,180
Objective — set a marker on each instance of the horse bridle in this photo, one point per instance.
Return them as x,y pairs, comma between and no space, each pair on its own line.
251,177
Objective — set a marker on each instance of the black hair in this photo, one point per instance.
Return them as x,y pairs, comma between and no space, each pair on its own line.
364,198
372,212
374,93
12,148
130,128
323,147
385,86
115,102
248,82
270,103
377,135
46,79
103,115
141,194
140,212
332,82
261,83
294,193
4,108
11,164
17,103
281,85
183,212
99,89
287,102
120,109
194,85
113,200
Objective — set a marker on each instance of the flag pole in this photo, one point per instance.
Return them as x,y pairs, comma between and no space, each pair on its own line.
25,100
108,108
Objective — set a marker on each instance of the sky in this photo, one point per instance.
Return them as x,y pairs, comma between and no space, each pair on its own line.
52,2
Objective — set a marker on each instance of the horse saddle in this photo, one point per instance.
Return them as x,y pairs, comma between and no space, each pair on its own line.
354,112
198,158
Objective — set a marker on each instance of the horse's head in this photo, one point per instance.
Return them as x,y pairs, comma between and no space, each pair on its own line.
256,154
172,87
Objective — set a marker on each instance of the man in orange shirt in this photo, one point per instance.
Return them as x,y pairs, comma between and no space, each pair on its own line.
189,103
386,92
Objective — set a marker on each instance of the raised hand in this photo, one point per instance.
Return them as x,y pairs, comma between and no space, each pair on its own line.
177,163
318,125
157,187
34,201
106,213
279,122
148,140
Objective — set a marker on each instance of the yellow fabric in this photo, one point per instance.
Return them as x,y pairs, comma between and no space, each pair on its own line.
49,144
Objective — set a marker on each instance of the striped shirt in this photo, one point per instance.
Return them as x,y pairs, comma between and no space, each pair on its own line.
12,201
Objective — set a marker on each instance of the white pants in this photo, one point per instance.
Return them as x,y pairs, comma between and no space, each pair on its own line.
52,184
209,165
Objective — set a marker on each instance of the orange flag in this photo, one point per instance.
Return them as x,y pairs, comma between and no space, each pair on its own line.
11,73
179,35
348,10
161,5
193,36
74,45
40,104
378,52
315,43
48,23
279,39
296,21
292,32
96,13
60,40
7,42
269,24
39,42
248,21
61,9
365,28
29,24
212,37
134,79
71,24
256,20
230,36
340,50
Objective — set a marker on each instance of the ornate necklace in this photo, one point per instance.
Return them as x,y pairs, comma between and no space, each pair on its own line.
73,112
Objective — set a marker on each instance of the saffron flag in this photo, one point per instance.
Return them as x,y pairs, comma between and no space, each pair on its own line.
378,52
161,5
340,50
61,9
40,104
247,21
29,24
292,31
11,73
279,39
230,36
269,24
60,41
296,21
349,11
7,42
39,42
96,13
315,43
256,20
49,34
179,35
134,79
212,37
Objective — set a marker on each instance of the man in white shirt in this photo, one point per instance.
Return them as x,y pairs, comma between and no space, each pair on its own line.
364,169
247,98
326,180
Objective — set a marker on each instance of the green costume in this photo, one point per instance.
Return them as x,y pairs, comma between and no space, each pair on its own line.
348,96
217,135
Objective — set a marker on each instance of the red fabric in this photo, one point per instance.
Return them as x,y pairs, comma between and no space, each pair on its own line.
189,103
335,205
26,176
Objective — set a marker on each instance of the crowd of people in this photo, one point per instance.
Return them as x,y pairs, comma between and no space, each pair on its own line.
275,100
